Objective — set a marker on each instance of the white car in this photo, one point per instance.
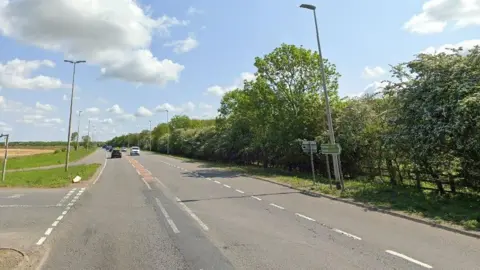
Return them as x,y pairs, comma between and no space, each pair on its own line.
135,151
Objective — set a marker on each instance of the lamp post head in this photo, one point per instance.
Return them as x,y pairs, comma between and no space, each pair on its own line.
307,6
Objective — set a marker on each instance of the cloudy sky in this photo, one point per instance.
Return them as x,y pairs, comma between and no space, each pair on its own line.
146,56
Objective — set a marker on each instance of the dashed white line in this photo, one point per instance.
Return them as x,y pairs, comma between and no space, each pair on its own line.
305,217
239,191
200,222
55,223
209,179
217,182
138,172
347,234
161,183
169,220
227,186
277,206
64,212
59,218
408,259
48,231
67,208
70,204
41,240
256,198
148,186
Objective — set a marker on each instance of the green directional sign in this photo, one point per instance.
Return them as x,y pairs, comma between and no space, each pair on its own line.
330,148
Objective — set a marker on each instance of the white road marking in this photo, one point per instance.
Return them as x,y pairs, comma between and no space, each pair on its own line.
64,212
74,200
256,198
205,227
169,220
100,173
277,206
59,218
60,203
138,172
239,191
209,179
227,186
347,234
41,240
15,196
70,204
409,259
148,186
48,231
55,223
161,183
25,205
217,182
305,217
67,208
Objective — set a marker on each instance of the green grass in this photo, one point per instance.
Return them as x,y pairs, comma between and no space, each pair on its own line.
462,210
51,178
48,159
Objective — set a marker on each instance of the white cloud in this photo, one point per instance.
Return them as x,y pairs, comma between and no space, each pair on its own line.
16,74
374,72
127,117
466,45
115,109
53,120
107,121
186,107
44,107
185,45
93,110
238,83
143,112
205,106
116,35
192,11
67,97
437,14
4,127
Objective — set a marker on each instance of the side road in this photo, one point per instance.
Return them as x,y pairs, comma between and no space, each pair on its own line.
94,157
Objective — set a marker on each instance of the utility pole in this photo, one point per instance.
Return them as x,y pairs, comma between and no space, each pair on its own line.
4,170
150,135
336,158
78,129
67,158
88,134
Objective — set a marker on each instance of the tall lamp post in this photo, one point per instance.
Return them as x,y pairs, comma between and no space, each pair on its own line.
4,170
67,158
150,144
78,128
336,158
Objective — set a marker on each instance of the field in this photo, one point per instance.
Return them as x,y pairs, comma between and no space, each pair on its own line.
37,158
51,178
16,152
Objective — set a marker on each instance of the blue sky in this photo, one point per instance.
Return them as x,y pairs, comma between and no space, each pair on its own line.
182,55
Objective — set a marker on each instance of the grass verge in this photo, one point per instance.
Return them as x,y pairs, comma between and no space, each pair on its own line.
49,159
51,178
458,209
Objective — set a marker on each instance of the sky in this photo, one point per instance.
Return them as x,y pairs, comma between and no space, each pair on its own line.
144,57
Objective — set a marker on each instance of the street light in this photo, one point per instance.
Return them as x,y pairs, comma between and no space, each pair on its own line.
67,158
4,170
150,144
336,158
78,129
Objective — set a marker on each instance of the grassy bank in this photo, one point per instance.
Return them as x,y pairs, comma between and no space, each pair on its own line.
40,160
458,209
52,178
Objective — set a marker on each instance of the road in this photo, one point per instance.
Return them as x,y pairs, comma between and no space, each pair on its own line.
154,212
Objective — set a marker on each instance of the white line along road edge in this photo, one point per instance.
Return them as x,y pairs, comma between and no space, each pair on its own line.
103,168
186,209
409,259
347,234
167,216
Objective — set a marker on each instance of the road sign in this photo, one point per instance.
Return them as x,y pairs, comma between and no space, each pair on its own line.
330,148
309,147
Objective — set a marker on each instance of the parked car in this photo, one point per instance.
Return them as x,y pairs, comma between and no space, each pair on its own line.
116,154
135,151
124,149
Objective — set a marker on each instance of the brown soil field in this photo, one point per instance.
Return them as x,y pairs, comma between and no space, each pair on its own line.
16,152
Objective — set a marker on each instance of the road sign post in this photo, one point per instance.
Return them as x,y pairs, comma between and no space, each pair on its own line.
330,149
4,170
310,147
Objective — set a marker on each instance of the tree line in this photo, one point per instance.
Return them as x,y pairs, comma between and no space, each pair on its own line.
422,129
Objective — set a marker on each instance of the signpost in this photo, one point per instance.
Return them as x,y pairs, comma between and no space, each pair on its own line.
309,147
4,170
331,149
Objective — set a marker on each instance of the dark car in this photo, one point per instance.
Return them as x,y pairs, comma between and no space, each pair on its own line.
116,154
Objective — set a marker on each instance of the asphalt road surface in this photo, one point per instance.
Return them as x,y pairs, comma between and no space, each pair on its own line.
153,212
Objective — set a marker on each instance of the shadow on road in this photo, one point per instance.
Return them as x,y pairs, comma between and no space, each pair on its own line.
239,197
